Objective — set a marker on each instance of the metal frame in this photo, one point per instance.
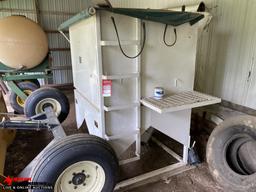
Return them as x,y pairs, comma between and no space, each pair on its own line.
52,124
181,112
104,109
41,71
161,173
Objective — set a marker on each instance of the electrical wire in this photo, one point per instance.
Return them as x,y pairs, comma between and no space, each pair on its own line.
119,42
164,37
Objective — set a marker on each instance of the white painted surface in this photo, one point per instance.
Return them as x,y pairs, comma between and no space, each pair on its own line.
84,59
226,50
172,68
179,102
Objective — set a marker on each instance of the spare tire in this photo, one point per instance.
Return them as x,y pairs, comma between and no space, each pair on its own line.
247,156
221,142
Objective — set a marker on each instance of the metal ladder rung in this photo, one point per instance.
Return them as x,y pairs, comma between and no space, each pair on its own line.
121,107
116,137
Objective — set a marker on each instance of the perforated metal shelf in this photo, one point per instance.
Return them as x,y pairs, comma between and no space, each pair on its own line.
180,101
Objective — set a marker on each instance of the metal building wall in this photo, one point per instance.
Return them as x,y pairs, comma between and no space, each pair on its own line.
49,14
18,7
226,68
226,50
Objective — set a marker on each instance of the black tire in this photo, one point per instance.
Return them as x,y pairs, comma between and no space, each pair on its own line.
247,155
17,103
35,81
72,150
47,94
219,143
233,159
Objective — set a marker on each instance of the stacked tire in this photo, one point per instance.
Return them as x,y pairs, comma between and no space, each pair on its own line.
231,154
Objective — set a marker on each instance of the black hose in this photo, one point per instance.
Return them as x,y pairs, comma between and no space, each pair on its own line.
164,37
120,46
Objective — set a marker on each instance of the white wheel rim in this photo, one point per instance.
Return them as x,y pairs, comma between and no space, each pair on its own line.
48,101
92,178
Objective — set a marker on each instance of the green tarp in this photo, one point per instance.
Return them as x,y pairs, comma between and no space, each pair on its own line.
173,18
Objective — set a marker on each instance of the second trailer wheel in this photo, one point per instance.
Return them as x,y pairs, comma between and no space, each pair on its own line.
18,103
47,97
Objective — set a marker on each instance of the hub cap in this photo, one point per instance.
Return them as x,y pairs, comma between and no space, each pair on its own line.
20,101
40,107
85,176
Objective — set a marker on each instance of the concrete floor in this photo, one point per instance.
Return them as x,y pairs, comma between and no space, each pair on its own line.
28,144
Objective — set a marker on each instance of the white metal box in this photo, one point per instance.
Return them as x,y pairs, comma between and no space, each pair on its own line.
121,118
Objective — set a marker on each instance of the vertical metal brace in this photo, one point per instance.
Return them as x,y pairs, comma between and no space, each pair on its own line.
185,151
100,70
138,88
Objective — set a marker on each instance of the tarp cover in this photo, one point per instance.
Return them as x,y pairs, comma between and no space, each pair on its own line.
174,18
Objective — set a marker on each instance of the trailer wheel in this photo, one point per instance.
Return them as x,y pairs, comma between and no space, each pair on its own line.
45,97
18,103
35,81
225,159
78,163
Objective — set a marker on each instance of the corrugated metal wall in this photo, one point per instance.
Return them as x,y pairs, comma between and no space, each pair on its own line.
226,68
226,51
18,7
50,14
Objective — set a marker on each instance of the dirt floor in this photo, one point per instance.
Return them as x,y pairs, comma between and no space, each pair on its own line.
28,144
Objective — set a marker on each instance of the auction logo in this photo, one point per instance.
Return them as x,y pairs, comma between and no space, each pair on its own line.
9,180
11,184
